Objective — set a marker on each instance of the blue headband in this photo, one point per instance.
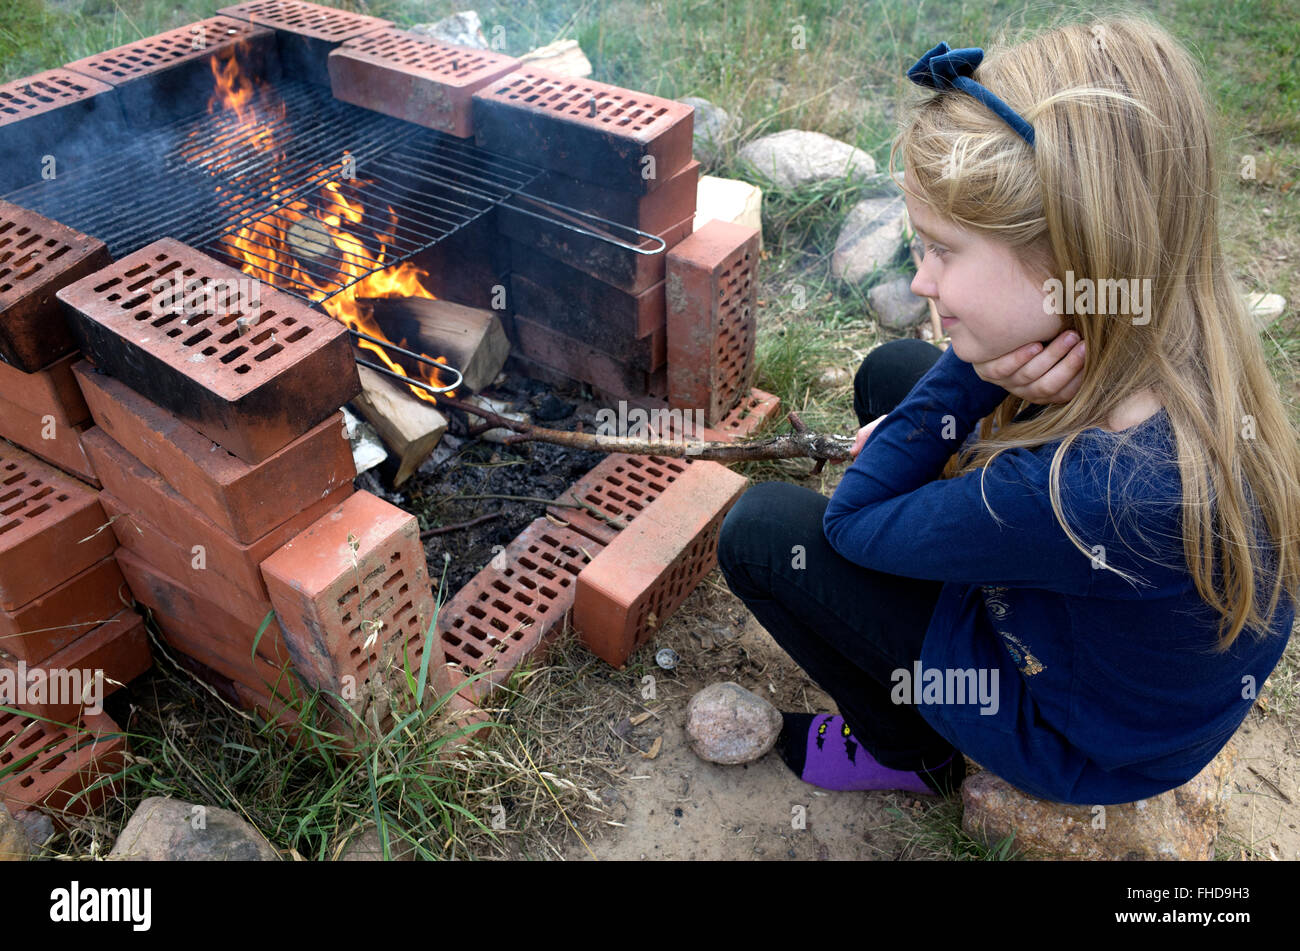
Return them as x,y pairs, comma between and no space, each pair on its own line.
946,69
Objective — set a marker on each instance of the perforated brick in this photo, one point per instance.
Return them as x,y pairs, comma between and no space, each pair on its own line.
247,501
37,258
509,610
45,92
751,413
60,616
712,304
410,76
155,53
352,596
306,32
42,113
49,528
252,389
632,587
91,667
51,392
47,766
661,209
588,130
621,487
49,441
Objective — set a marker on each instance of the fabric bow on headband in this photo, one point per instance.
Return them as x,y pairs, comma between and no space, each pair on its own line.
945,69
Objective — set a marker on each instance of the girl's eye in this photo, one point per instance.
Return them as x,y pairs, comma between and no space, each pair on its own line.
939,252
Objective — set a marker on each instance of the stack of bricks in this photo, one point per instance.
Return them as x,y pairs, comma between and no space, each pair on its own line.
67,634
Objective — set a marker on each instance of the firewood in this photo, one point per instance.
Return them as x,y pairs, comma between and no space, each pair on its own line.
472,340
410,427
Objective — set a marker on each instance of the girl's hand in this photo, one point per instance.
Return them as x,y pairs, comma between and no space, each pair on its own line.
1051,376
863,433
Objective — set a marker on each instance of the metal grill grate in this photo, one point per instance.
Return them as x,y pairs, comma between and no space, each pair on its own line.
255,192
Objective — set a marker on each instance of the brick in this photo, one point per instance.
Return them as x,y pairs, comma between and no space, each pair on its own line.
572,357
410,76
588,130
252,393
47,766
38,257
507,613
361,563
630,269
204,630
157,507
749,415
712,323
49,528
43,115
620,486
52,391
114,653
54,620
306,32
247,501
660,210
63,447
628,328
641,577
161,78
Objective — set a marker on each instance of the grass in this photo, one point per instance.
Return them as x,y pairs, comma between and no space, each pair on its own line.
812,64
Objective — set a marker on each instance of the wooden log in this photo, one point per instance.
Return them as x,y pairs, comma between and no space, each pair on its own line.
410,427
472,339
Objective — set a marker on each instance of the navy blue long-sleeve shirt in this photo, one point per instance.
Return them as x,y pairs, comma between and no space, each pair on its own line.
1107,692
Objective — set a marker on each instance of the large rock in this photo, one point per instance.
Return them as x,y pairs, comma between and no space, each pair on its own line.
14,846
714,126
166,830
728,724
1180,824
793,157
895,306
870,238
459,29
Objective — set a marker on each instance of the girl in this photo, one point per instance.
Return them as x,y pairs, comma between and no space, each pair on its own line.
1072,562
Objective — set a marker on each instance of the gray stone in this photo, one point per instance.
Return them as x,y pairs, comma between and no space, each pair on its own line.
714,126
163,830
14,846
367,847
459,29
870,238
38,825
730,725
895,306
794,157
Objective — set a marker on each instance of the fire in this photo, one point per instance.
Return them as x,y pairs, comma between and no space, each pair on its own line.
319,243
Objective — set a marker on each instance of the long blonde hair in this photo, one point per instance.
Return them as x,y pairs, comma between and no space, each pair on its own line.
1123,182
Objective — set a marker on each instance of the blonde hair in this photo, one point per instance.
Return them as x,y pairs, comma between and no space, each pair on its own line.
1123,181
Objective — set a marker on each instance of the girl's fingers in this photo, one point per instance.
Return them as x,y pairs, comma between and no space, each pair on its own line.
1056,383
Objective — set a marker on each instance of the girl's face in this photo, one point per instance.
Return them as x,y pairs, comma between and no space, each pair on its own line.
980,282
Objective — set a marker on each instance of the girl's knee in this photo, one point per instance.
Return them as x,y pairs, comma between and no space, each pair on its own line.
763,516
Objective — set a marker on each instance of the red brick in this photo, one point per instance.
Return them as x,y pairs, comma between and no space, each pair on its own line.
141,491
57,618
744,419
244,500
49,528
410,76
576,359
114,653
748,416
362,562
306,32
508,612
251,394
204,630
48,114
620,486
153,54
658,211
47,766
52,391
38,257
632,587
583,306
588,130
63,449
712,306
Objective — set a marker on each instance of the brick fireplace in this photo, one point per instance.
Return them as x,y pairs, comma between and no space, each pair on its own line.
206,448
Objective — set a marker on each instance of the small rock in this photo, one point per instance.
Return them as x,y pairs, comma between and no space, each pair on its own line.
895,306
459,29
714,127
550,408
1265,307
367,847
163,830
14,846
834,376
728,724
561,58
1180,824
794,157
38,825
870,238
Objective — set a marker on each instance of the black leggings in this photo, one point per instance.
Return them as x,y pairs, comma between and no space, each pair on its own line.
847,626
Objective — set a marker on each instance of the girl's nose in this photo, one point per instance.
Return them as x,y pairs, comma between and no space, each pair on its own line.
923,284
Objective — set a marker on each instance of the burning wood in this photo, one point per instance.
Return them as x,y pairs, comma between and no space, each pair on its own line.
472,340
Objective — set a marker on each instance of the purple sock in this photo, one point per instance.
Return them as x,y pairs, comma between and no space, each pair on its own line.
822,751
